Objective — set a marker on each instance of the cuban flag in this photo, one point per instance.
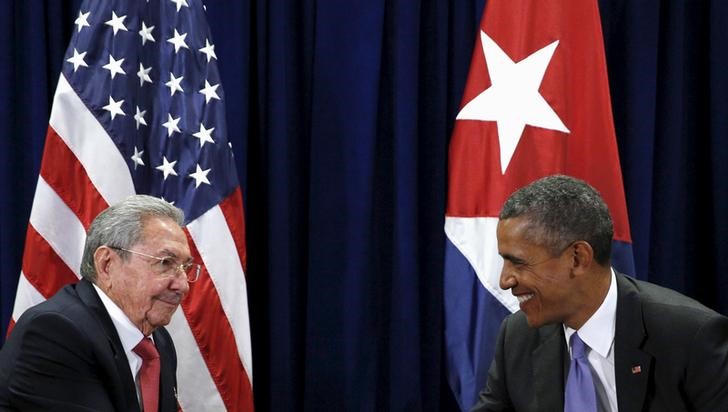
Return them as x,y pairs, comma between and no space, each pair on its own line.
536,103
139,108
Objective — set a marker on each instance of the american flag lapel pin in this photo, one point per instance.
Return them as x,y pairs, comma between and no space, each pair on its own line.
636,369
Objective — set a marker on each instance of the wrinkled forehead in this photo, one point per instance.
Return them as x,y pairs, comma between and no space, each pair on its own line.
163,233
522,232
519,226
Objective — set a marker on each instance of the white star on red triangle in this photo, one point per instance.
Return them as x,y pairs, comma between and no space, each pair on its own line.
513,100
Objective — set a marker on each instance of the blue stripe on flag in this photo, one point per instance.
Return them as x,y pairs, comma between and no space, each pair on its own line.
472,320
623,259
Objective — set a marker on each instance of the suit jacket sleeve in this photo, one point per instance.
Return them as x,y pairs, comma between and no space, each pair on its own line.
56,367
495,396
707,370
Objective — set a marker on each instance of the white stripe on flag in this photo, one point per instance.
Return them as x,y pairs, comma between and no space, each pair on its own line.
58,225
215,243
196,389
89,141
475,238
26,297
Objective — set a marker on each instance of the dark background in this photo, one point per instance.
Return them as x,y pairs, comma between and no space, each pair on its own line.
340,114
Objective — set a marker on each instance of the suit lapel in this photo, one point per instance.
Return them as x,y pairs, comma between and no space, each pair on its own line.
548,369
125,390
632,365
168,363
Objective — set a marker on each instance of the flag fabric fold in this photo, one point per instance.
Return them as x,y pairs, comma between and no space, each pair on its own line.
536,103
139,108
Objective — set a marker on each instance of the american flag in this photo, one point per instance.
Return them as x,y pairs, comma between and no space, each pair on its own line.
139,108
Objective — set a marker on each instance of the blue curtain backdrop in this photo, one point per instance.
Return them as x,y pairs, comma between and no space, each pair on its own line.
340,114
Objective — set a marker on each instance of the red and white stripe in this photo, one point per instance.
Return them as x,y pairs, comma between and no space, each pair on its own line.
82,172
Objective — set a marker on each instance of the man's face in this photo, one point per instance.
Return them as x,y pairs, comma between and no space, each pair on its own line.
147,297
541,282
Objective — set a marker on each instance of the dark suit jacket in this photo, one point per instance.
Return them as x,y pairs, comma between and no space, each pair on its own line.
670,354
65,355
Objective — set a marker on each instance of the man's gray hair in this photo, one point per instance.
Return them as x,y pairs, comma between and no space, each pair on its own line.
121,225
562,210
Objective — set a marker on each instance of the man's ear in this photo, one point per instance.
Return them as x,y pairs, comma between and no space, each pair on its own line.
104,259
582,256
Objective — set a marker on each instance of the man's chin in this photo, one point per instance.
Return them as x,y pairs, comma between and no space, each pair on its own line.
538,321
161,318
533,321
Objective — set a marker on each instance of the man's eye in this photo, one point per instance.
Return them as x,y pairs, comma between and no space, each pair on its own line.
166,262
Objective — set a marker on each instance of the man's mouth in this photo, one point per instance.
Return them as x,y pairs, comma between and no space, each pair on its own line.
524,298
170,299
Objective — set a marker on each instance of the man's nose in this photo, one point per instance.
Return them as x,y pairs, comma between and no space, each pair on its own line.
180,282
507,278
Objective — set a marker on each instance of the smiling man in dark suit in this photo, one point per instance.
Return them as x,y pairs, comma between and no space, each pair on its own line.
645,348
100,344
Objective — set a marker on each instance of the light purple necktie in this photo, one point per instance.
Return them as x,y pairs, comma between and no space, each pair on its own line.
580,394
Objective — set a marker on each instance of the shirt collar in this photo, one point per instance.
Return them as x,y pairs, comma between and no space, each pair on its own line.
598,331
129,334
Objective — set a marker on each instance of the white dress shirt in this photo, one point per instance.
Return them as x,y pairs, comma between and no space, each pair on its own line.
598,334
129,335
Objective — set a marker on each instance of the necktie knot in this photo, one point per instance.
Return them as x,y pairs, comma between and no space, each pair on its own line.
146,350
578,347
